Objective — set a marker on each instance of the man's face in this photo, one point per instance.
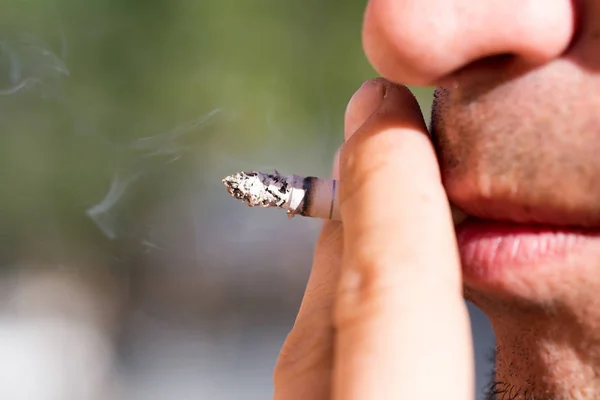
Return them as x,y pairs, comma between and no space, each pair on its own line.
516,122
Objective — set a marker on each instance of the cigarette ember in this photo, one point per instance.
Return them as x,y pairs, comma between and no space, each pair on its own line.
259,189
298,195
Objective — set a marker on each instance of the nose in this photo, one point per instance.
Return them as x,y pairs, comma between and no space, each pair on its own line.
419,42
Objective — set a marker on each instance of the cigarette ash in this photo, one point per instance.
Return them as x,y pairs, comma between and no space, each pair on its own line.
259,189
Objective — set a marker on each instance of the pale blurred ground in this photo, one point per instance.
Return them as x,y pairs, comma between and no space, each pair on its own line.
128,272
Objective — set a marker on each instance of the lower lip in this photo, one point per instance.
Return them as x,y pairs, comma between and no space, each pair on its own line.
487,247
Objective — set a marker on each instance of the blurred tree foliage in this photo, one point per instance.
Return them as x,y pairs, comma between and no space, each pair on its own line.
101,92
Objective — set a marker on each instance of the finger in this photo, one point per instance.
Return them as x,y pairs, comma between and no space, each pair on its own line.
305,365
402,325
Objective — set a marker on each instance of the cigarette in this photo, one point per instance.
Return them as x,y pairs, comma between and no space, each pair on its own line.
298,195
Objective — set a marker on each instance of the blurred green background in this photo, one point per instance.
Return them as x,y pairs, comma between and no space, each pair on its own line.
127,271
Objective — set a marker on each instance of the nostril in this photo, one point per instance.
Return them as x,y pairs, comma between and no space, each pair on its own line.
499,61
579,22
499,64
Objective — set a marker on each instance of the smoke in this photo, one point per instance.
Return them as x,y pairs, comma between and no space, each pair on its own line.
27,64
30,67
144,155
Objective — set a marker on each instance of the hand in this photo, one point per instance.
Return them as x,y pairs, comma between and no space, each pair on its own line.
383,315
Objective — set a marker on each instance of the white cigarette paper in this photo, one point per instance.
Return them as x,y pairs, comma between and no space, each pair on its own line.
307,196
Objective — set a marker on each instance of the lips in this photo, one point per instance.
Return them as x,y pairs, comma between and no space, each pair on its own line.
499,237
490,248
503,211
517,231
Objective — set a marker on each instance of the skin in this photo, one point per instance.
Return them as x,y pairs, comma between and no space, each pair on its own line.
515,138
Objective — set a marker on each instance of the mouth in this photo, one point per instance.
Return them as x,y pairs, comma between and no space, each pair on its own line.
491,247
488,248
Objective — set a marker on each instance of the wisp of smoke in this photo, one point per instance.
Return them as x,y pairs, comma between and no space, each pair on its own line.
142,152
29,64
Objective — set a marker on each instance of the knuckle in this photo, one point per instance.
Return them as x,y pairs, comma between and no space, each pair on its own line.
304,351
375,285
330,238
363,294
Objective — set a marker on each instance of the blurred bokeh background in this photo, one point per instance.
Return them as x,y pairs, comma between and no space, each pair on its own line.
127,270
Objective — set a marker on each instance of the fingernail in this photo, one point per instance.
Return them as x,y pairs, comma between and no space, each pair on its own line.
363,104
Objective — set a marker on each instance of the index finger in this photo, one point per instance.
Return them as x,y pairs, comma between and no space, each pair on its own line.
402,325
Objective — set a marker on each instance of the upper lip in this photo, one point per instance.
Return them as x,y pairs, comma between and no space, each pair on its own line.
521,210
503,212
